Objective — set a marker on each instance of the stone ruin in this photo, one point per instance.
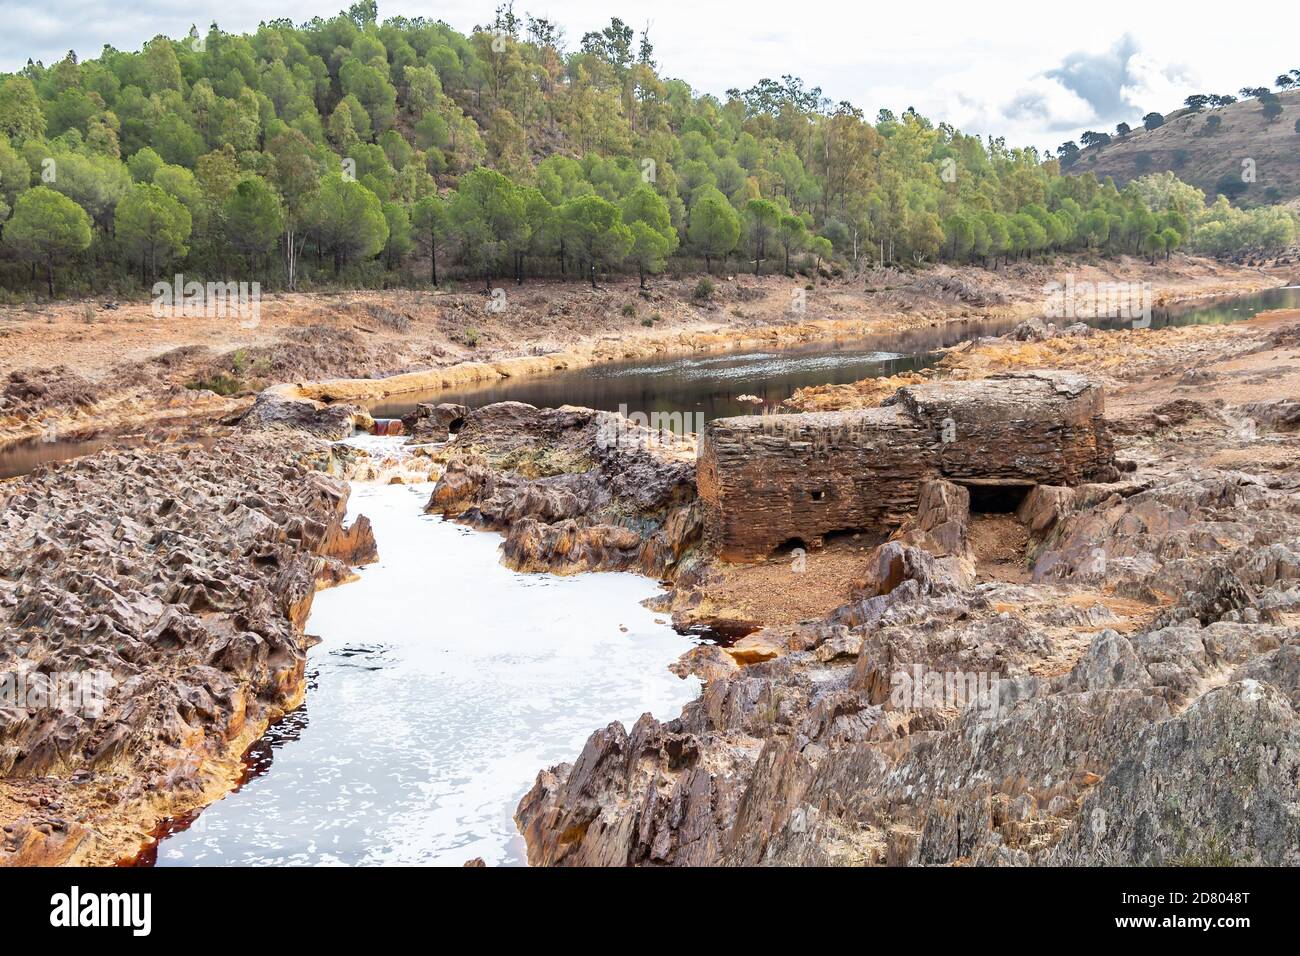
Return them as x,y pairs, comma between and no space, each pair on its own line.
774,480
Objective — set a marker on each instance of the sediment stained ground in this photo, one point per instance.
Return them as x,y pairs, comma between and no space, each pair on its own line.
187,573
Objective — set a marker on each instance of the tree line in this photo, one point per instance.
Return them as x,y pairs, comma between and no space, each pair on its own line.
354,152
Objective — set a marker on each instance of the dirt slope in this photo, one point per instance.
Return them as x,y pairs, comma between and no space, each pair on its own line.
1185,146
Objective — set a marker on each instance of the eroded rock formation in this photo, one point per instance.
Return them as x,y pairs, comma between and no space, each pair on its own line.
1131,697
430,422
1102,736
573,489
184,579
279,410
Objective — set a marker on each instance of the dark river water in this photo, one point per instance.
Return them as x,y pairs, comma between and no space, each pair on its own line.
710,384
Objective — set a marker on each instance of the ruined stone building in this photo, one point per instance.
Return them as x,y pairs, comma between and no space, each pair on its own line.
773,480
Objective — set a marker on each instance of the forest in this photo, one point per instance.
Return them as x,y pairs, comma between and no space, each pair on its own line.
350,152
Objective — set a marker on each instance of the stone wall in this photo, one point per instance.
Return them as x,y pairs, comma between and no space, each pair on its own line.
768,480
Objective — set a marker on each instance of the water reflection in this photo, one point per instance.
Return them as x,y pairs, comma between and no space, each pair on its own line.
28,455
712,383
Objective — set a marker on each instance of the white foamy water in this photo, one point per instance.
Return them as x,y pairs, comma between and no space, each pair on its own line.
443,683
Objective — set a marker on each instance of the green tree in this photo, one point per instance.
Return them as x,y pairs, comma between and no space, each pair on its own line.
177,142
399,242
295,175
47,227
347,220
254,220
15,176
792,233
821,249
21,117
183,186
371,88
152,225
143,164
1170,240
761,221
1154,243
95,183
490,221
650,249
594,229
714,227
653,237
959,236
431,223
999,241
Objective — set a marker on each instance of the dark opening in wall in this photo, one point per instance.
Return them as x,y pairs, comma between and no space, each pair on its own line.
790,545
818,495
456,425
995,497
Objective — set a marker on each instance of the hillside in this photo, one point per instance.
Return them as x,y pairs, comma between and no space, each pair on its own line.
1188,147
360,153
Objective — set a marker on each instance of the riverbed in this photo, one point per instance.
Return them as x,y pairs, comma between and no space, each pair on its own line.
443,682
703,386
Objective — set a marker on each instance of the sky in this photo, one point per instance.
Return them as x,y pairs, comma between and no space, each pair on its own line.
1037,73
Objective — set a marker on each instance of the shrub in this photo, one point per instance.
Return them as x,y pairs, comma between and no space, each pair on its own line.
629,310
220,382
703,291
396,321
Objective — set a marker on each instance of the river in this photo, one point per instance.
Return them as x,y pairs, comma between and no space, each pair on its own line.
443,681
711,384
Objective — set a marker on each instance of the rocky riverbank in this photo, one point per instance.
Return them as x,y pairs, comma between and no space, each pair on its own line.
73,370
1121,688
1098,671
180,581
573,489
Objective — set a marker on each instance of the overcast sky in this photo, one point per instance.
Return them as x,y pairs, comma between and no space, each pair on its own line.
1036,72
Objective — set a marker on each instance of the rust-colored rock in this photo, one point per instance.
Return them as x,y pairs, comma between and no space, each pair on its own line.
180,581
572,489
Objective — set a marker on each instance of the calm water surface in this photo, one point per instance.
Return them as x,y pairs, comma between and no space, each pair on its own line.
711,384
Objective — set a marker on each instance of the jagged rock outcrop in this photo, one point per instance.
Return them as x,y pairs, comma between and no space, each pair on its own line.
431,422
277,409
1136,710
180,582
572,489
768,480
